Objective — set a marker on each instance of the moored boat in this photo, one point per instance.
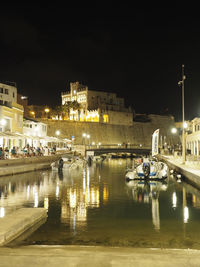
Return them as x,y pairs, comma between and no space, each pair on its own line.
149,169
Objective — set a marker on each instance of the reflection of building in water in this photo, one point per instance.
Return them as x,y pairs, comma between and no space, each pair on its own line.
155,213
18,191
146,191
196,201
105,193
77,201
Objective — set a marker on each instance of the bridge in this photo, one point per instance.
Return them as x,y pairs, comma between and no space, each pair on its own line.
96,150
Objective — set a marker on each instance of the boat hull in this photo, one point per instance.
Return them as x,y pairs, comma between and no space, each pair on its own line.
157,171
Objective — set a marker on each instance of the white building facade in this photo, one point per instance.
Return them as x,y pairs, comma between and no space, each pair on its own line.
35,132
193,139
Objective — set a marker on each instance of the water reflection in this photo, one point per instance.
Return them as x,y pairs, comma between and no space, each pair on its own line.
94,204
30,190
148,191
77,199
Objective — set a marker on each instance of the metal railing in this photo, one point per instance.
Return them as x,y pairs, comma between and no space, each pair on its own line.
117,146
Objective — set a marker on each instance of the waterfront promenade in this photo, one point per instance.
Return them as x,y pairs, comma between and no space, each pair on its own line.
190,170
22,165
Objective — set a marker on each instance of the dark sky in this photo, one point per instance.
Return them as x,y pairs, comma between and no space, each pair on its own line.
135,52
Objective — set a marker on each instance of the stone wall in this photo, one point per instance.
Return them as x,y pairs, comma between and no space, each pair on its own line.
138,133
119,118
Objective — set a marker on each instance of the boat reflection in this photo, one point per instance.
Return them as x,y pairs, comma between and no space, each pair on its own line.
147,191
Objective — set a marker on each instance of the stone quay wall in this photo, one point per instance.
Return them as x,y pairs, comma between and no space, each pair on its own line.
136,134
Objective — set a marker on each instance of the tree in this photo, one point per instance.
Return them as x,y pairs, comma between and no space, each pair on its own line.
57,111
76,106
66,108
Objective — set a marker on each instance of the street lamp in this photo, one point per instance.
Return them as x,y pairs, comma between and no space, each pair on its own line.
3,122
181,83
57,132
174,130
46,111
32,113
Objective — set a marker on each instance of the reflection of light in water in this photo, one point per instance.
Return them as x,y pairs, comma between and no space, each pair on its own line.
146,198
74,222
186,214
105,193
155,214
2,212
46,203
88,177
36,200
28,191
57,190
87,196
164,187
174,200
83,181
9,186
81,212
72,198
92,197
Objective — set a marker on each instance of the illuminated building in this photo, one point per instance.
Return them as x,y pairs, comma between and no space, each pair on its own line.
193,137
11,116
96,106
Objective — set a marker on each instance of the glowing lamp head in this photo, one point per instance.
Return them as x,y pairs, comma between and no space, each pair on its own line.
3,122
57,132
174,130
185,125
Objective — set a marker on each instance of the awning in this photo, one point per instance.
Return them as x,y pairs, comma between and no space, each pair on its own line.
22,136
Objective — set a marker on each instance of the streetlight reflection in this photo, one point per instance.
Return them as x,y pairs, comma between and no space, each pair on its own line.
186,214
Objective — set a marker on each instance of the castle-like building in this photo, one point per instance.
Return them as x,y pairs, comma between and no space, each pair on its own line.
97,106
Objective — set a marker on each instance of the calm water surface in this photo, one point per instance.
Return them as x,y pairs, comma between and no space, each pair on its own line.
96,206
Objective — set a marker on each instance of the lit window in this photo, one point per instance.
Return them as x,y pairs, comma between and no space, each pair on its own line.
105,118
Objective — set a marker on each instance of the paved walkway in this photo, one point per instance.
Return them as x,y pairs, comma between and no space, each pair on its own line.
97,256
190,166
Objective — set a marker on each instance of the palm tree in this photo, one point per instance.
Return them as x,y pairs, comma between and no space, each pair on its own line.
66,108
57,111
76,106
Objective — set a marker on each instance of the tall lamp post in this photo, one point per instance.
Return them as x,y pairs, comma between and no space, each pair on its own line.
183,115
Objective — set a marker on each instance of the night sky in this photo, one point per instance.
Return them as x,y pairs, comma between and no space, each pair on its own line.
136,53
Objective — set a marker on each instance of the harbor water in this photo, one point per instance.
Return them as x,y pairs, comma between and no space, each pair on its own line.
95,205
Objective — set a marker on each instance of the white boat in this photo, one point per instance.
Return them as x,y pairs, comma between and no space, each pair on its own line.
149,169
79,162
68,163
98,158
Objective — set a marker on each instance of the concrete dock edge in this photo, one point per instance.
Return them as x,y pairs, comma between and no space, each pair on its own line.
15,166
190,174
19,221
